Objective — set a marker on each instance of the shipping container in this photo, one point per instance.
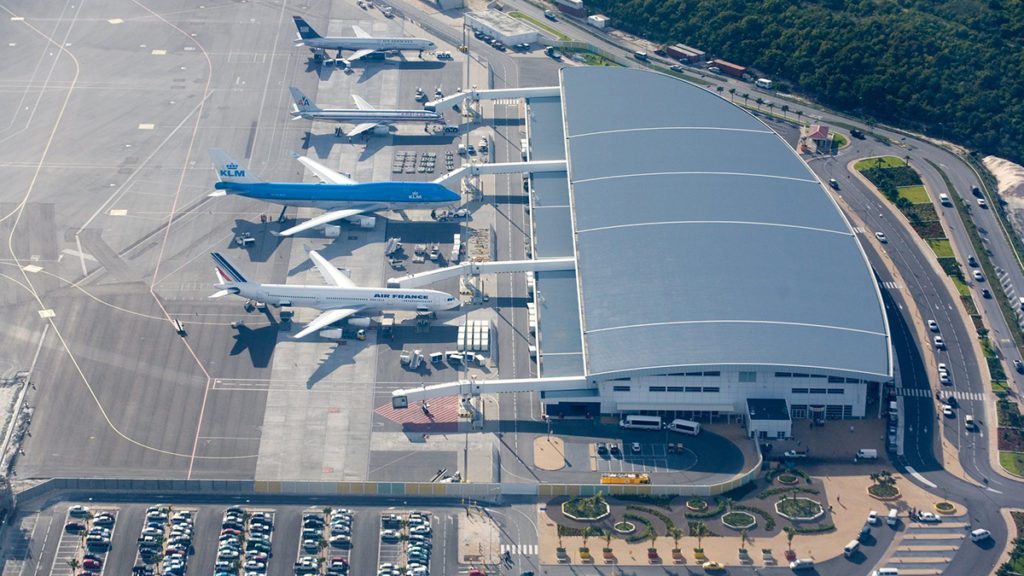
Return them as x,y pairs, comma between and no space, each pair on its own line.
728,68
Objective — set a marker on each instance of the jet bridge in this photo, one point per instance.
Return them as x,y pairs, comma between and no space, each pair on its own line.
466,388
450,101
477,169
478,268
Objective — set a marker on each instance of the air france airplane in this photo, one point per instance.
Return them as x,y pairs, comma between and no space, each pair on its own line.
339,300
362,44
342,197
364,116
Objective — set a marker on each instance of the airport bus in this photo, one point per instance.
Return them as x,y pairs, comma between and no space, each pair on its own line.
685,427
641,422
625,478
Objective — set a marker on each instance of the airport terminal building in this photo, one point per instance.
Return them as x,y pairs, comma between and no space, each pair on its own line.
712,266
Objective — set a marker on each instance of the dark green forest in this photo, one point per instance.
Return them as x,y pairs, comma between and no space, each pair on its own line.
949,68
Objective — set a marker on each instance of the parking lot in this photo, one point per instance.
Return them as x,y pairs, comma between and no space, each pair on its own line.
406,544
649,458
85,540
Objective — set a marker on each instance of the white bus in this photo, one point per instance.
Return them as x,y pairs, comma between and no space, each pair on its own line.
685,427
641,422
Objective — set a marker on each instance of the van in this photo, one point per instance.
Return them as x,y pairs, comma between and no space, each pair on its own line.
867,454
763,83
524,147
980,534
944,199
851,548
640,55
887,571
685,427
893,518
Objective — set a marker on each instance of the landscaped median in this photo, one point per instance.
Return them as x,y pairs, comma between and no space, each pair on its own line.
533,21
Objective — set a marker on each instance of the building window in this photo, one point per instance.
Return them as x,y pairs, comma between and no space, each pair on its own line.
693,388
817,390
783,374
713,373
836,379
676,389
656,389
833,412
836,391
620,388
799,375
852,381
748,376
848,411
799,390
711,389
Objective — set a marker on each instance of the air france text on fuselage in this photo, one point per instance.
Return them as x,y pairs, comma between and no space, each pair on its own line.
401,297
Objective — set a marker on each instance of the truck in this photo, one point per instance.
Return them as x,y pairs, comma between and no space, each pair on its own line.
795,454
552,53
728,68
641,56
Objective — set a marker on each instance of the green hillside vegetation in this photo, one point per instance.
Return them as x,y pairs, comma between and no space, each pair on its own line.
952,68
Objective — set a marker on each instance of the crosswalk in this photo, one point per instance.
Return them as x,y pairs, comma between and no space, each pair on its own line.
524,549
890,285
926,548
506,101
926,393
439,411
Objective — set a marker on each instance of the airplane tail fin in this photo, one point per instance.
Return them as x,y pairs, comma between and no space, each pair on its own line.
302,103
226,271
228,170
306,31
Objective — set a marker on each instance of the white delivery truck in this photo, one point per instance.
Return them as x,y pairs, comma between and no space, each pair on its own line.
641,422
867,454
684,427
763,83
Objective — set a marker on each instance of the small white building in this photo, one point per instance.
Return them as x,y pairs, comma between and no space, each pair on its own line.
502,27
768,418
598,21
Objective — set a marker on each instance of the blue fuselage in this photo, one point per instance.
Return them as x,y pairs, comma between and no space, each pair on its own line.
396,195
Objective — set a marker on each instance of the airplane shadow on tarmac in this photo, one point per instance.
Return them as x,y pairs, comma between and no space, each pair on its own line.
266,243
335,359
260,343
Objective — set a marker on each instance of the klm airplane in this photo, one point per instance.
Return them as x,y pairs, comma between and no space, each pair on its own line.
364,116
342,197
361,45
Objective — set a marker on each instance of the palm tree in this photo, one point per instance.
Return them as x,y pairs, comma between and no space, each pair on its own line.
653,535
677,535
608,540
760,102
74,564
799,115
732,92
720,90
785,110
700,530
586,535
790,533
745,96
771,107
743,539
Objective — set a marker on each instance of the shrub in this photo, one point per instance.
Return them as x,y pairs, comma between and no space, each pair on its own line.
710,511
814,528
659,501
739,520
669,525
586,507
643,528
800,508
563,530
786,490
769,520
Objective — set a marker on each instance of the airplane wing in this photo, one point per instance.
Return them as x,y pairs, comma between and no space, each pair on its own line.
361,103
325,218
360,128
325,319
332,275
325,174
360,33
359,54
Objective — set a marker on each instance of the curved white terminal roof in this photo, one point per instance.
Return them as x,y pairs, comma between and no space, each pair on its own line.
702,239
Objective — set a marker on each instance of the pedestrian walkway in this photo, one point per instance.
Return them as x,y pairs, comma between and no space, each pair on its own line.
524,549
438,411
926,548
925,393
890,285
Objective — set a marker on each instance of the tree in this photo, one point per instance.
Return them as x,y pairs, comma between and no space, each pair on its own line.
771,107
720,89
785,111
653,535
799,115
74,564
700,530
760,101
586,535
790,533
732,92
745,96
608,539
677,535
743,538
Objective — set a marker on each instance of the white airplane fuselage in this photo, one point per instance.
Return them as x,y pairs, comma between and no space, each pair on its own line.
329,298
376,44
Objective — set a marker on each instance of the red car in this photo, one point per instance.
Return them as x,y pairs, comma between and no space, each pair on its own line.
91,564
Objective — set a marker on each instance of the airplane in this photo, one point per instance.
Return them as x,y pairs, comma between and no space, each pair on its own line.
364,116
362,44
341,196
338,300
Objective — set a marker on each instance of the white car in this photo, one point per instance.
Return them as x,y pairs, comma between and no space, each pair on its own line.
982,203
947,411
928,516
978,276
942,367
944,379
939,342
881,237
873,517
933,325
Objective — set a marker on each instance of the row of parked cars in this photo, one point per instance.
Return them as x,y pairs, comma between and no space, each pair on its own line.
244,543
97,529
415,529
317,533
